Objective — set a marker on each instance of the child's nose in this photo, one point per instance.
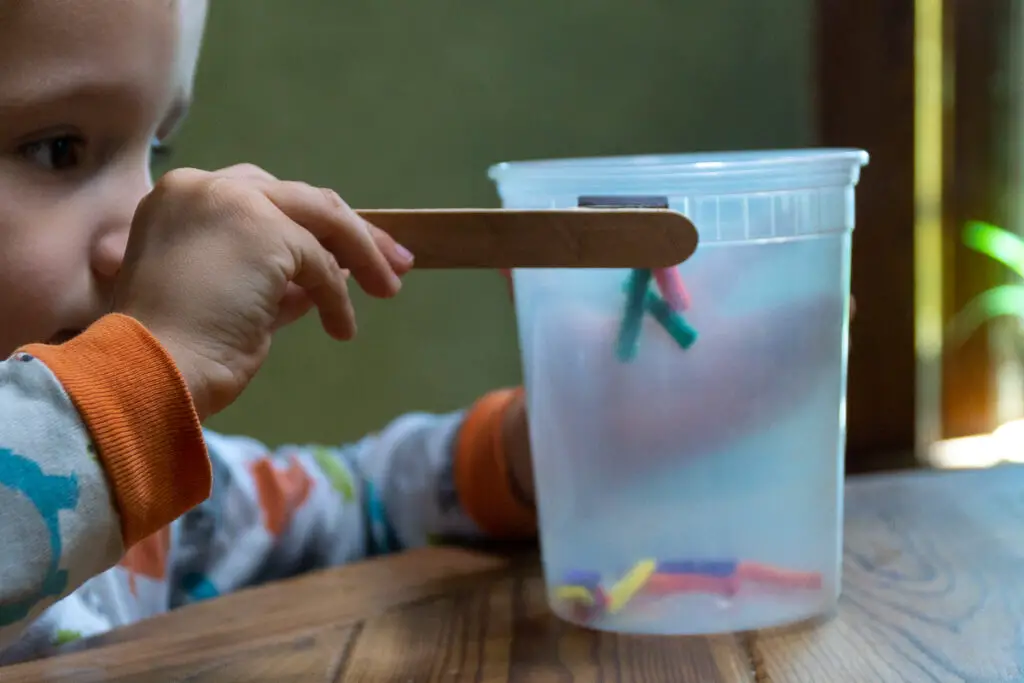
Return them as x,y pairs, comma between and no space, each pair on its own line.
108,253
126,191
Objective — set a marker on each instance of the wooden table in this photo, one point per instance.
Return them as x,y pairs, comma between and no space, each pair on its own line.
934,591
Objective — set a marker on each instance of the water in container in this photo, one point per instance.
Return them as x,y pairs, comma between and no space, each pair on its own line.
688,425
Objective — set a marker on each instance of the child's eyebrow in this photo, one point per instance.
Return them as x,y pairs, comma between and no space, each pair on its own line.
53,94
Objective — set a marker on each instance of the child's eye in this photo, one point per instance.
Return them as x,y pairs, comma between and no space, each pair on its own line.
59,153
159,158
159,151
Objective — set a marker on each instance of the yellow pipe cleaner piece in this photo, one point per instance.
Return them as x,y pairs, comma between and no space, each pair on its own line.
575,594
629,585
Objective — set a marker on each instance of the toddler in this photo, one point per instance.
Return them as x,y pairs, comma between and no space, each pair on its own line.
114,504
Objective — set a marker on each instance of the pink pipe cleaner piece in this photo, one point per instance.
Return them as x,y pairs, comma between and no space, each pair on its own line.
663,584
785,578
670,282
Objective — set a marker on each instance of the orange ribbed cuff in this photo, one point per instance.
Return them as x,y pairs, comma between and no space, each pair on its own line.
481,471
140,416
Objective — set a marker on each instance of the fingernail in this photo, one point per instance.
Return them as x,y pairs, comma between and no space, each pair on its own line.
404,253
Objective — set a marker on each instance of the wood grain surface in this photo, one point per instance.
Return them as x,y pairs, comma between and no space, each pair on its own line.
933,591
573,238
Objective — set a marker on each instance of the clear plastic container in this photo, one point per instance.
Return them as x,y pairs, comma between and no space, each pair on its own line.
694,487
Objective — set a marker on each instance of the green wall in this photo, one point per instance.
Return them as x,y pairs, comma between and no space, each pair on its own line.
399,103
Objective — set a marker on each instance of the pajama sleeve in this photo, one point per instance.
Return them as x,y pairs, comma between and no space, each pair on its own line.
276,512
99,448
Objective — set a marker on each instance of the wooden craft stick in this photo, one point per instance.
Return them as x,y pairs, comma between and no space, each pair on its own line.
571,238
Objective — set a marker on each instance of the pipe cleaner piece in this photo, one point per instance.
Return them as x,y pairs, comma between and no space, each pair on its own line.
632,319
674,324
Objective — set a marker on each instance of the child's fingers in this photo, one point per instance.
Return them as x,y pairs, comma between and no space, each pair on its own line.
397,256
324,282
295,304
247,171
341,231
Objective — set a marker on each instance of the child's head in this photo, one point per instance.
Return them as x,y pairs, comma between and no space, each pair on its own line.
85,89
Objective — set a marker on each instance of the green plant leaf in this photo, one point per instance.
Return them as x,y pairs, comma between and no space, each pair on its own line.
997,243
1005,300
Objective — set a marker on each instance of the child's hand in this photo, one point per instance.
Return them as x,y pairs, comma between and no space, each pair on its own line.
516,435
216,261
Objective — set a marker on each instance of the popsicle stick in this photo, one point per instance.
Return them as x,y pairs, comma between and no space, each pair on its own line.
571,238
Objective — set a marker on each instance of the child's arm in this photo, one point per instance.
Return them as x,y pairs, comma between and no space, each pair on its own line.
75,491
275,513
64,517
